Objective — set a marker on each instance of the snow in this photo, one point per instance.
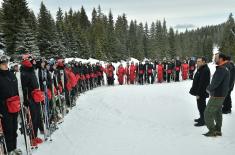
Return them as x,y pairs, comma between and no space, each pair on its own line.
1,52
133,119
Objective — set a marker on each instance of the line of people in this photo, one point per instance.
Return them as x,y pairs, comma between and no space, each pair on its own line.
40,92
157,71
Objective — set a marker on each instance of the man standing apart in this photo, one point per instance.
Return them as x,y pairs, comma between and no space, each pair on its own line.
200,82
218,90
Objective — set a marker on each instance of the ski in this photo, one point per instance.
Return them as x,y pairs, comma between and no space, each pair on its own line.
24,121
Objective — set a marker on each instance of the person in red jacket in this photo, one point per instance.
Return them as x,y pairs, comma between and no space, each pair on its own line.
160,70
70,84
127,72
121,74
132,73
185,69
110,76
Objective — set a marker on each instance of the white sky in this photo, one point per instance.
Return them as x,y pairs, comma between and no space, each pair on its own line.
195,12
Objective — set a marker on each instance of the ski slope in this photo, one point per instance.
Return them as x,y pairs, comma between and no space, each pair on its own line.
137,120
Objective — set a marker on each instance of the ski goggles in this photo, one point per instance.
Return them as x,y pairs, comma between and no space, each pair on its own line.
4,59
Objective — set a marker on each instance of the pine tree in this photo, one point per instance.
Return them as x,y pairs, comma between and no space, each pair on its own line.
228,43
146,41
60,33
27,39
132,40
172,47
14,12
46,31
83,20
111,40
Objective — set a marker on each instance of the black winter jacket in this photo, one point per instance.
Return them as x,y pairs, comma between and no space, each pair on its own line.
200,82
219,86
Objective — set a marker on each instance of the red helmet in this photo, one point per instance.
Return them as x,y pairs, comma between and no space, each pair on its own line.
60,62
26,57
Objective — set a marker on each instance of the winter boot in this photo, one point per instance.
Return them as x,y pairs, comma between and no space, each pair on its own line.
210,134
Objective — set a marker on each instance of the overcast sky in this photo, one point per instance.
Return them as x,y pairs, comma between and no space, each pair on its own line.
177,12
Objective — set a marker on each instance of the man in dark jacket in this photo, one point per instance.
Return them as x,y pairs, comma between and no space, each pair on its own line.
177,69
30,83
141,73
227,105
218,90
8,90
191,68
200,82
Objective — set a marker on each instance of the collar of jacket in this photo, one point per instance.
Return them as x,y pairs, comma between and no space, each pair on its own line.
203,66
223,63
27,69
4,72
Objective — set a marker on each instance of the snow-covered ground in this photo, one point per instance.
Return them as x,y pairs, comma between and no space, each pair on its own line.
138,120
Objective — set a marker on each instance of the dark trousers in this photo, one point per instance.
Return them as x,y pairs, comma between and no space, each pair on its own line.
10,126
177,75
110,80
141,79
191,74
168,77
148,76
164,75
35,116
227,105
201,105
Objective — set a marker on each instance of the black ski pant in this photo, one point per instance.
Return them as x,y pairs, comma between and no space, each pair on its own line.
227,105
110,80
168,77
152,78
177,76
35,112
191,74
201,105
141,79
10,126
164,76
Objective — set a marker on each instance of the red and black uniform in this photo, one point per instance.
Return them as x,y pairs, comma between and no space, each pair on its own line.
121,74
165,66
132,74
192,68
185,70
127,72
71,83
149,73
177,70
160,71
170,67
110,76
141,73
31,93
9,91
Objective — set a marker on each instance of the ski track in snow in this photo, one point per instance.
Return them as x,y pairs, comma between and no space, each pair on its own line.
138,120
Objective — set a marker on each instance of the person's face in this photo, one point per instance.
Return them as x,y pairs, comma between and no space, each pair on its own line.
4,66
48,67
43,64
34,62
199,63
54,66
217,60
16,68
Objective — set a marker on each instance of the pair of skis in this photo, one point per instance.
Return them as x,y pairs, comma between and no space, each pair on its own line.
3,146
26,122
